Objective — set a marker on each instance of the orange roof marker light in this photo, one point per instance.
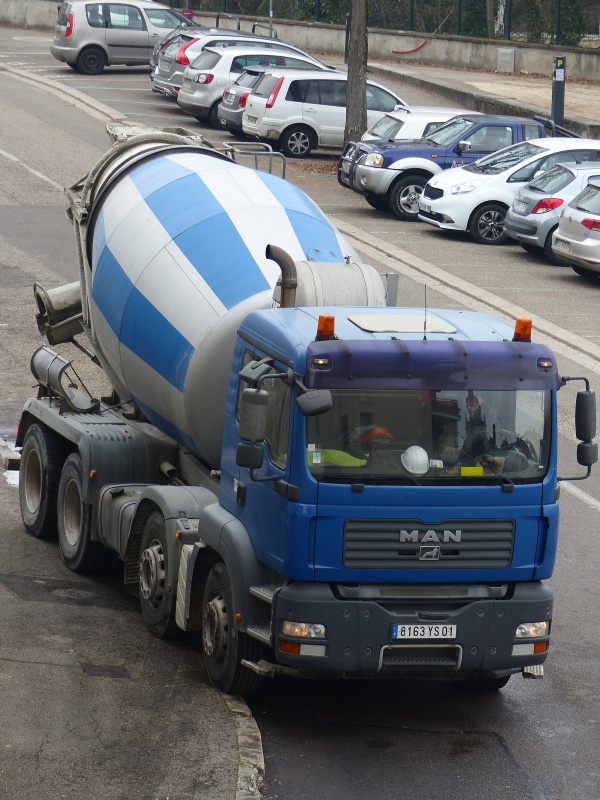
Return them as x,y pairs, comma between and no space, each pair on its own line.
326,327
522,330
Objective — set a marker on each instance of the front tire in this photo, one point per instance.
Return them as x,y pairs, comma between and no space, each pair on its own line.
225,646
42,458
377,201
78,551
91,61
487,224
157,599
404,197
297,141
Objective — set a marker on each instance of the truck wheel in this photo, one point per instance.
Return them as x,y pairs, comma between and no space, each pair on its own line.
77,549
42,458
225,646
404,197
156,597
297,141
485,683
91,61
377,201
487,224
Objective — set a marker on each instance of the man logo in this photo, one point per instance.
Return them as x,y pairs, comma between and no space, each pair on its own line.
429,553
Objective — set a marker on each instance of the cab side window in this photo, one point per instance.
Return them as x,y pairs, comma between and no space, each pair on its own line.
332,93
95,15
125,17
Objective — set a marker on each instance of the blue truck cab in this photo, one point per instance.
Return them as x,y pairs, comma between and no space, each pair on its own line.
398,534
391,174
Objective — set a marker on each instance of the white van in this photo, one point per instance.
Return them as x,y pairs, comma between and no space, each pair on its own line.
301,109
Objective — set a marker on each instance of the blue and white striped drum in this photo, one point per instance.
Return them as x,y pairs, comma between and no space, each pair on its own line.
178,260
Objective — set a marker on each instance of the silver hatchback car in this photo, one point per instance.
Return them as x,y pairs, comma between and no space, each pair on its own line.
90,36
577,238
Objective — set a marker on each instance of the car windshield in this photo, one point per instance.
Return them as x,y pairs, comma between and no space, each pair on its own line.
552,181
588,200
450,131
506,159
387,127
431,436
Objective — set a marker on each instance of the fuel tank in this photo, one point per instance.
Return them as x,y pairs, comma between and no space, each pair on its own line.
176,243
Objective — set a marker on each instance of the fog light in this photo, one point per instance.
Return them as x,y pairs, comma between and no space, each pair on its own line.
532,630
305,630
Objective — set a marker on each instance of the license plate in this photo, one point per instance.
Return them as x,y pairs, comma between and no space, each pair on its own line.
520,206
425,207
561,245
427,631
250,119
345,167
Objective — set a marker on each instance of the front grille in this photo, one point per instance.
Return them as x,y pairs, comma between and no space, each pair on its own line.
413,544
432,192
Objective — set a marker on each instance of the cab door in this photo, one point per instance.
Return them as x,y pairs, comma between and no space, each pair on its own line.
484,139
127,36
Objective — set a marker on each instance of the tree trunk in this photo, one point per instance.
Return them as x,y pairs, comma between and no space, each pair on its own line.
356,94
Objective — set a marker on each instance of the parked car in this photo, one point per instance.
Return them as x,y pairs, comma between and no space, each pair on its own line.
476,198
535,211
391,175
205,80
416,122
91,36
577,238
181,50
301,110
190,25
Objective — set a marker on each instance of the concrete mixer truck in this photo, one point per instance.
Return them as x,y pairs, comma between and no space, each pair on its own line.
320,483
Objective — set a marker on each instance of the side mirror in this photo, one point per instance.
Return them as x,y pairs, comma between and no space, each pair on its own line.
463,147
315,402
254,407
587,454
585,415
249,456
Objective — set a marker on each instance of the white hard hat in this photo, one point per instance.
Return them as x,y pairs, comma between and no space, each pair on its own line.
415,460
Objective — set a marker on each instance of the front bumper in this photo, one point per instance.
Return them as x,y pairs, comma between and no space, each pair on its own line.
359,633
444,213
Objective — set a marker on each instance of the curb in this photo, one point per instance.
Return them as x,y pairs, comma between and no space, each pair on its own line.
251,762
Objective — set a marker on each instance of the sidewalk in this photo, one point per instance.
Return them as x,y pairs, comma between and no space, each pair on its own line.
503,93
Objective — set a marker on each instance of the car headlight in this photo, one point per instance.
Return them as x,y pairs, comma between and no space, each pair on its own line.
373,160
531,630
305,630
463,188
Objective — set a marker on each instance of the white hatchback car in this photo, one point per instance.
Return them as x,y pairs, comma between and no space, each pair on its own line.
209,75
90,36
577,238
304,110
476,198
416,122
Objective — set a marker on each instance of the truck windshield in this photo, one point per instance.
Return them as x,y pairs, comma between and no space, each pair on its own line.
450,132
431,436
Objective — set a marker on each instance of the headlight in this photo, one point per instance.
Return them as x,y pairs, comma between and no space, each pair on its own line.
373,160
305,630
532,630
463,188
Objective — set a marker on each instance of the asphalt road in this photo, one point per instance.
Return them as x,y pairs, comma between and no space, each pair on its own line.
93,706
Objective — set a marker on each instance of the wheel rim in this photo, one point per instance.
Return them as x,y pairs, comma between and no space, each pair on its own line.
153,574
33,482
408,199
215,628
72,513
298,143
490,225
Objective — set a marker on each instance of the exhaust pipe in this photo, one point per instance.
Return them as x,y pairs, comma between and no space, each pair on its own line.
289,276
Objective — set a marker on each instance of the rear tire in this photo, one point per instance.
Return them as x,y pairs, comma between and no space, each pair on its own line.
487,224
42,458
213,115
78,551
91,61
225,646
297,141
531,248
584,273
157,599
404,197
549,252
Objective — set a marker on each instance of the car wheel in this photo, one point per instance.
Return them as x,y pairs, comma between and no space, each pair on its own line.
584,273
224,646
42,457
531,248
157,596
377,201
77,550
91,61
487,224
213,115
297,141
404,197
549,252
